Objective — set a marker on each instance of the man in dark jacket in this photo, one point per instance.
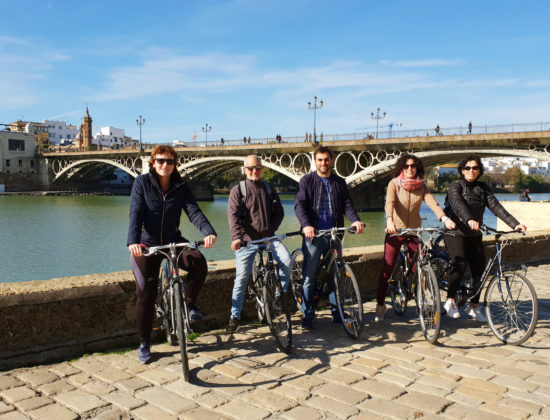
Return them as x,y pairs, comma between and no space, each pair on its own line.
321,202
253,214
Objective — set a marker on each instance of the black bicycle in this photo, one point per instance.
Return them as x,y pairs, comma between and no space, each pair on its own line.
414,278
510,300
273,304
171,306
333,268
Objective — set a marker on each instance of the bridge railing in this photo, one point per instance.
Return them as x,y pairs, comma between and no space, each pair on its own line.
367,134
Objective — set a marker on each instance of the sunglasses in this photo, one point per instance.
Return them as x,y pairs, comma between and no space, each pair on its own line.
257,167
411,166
471,168
162,161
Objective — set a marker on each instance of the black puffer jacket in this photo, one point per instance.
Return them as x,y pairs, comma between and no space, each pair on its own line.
468,200
155,217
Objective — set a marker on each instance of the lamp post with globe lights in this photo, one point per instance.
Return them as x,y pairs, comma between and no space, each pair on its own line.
206,129
140,122
315,107
377,118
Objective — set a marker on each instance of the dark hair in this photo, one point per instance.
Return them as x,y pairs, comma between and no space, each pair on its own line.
322,149
161,150
464,161
400,165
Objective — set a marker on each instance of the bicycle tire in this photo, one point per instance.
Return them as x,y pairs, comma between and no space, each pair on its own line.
512,311
348,299
260,304
296,279
181,330
398,287
428,303
163,307
277,313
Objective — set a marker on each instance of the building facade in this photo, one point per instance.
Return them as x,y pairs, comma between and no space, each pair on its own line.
110,137
60,132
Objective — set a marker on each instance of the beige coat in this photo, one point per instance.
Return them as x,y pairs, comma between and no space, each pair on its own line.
404,206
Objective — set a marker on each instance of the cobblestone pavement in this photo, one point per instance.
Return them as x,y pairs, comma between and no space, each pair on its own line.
390,372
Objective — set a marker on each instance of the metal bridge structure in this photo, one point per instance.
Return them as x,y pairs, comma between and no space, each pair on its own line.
357,161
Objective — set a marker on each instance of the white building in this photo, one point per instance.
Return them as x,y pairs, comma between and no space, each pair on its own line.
529,166
110,137
60,132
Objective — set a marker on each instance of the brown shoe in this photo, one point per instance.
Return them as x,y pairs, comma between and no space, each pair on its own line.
380,311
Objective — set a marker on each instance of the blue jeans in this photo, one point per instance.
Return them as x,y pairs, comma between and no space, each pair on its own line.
312,251
244,263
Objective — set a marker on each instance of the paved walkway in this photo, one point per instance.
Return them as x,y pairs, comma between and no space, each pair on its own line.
391,372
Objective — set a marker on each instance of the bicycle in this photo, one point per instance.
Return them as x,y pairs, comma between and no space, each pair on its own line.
332,267
265,289
171,306
510,300
415,278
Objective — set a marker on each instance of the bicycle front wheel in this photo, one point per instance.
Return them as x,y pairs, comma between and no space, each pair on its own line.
181,330
512,308
277,312
348,299
256,273
429,304
398,287
296,276
163,304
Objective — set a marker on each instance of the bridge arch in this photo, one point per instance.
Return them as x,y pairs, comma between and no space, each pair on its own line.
67,168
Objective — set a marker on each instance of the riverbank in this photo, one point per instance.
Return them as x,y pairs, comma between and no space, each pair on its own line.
67,317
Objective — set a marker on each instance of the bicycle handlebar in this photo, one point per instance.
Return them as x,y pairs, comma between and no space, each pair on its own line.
486,230
268,239
150,250
324,232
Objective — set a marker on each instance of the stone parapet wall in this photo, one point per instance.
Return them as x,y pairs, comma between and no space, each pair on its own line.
67,317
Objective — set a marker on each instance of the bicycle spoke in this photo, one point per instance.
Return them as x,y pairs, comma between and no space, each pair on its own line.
349,301
429,305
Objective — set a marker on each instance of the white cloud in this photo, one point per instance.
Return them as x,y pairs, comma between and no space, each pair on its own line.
428,62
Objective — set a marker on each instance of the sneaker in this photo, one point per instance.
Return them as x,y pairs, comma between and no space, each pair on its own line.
380,311
194,313
450,307
307,324
233,325
144,352
476,313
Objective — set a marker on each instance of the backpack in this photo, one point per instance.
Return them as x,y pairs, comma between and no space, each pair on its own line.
242,190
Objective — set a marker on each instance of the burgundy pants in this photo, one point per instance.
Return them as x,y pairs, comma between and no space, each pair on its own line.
146,273
392,246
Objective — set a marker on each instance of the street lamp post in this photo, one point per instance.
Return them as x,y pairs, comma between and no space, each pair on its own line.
206,129
394,124
140,122
315,106
377,118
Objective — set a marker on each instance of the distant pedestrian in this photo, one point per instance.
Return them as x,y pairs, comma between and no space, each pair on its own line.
249,140
470,127
525,195
437,130
222,141
244,140
307,137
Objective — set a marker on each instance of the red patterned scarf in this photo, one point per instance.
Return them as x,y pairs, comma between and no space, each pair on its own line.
407,183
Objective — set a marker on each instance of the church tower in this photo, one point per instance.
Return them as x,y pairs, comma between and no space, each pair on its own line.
86,129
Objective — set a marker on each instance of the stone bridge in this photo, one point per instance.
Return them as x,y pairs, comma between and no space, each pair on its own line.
358,161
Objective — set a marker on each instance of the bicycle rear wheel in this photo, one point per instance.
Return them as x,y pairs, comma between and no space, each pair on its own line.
181,331
429,304
512,308
348,299
256,273
398,287
296,276
277,313
163,304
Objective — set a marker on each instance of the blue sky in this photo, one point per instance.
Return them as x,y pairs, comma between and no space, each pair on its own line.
249,67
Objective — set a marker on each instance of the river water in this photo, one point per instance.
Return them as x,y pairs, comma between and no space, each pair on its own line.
48,237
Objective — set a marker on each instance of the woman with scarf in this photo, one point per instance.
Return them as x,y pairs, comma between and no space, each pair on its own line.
405,194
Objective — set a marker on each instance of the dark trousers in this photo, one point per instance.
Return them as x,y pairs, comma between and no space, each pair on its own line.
464,250
146,273
392,246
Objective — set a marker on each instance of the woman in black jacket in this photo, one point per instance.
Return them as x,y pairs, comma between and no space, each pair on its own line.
156,203
465,204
